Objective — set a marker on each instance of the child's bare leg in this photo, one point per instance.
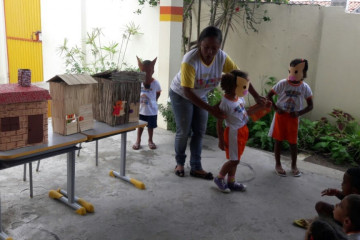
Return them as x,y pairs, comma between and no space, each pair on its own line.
228,168
232,172
293,150
151,133
277,152
136,146
324,209
150,142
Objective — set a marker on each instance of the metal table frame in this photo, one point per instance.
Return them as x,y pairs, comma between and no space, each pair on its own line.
103,130
56,145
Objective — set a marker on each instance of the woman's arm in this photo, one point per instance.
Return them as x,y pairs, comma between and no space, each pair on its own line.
258,99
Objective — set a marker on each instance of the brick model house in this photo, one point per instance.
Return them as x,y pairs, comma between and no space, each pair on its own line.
23,116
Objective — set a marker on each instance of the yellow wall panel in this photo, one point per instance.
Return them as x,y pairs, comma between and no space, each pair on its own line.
25,55
22,18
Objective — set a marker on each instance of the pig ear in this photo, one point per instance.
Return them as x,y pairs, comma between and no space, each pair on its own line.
140,64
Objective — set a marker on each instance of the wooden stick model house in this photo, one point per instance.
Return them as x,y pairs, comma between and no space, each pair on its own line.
23,116
71,105
117,96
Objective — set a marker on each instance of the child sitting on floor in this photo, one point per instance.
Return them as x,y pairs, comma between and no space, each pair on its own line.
150,93
325,229
349,185
347,212
233,140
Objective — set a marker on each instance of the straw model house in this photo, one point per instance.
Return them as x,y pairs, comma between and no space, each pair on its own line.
23,116
71,105
117,97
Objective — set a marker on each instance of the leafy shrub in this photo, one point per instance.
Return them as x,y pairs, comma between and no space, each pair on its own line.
167,113
214,97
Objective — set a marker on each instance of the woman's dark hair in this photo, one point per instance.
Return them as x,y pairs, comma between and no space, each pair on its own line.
354,174
210,31
296,61
353,210
228,80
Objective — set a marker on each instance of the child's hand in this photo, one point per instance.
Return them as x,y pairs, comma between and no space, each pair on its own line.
280,111
330,192
294,114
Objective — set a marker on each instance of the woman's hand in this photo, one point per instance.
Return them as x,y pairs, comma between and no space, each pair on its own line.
262,100
216,112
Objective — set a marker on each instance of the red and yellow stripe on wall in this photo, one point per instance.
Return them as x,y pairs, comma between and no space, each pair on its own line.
171,14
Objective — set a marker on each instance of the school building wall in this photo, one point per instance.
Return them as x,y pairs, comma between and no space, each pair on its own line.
326,36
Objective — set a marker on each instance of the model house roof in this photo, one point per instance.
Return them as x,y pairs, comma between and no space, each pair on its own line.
13,93
121,76
73,79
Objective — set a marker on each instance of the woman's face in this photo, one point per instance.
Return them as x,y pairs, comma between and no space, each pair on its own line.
208,49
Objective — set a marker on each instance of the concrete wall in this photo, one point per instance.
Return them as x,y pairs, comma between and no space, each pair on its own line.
326,36
337,78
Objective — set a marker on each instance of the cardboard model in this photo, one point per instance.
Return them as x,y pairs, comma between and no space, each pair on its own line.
71,105
23,116
116,97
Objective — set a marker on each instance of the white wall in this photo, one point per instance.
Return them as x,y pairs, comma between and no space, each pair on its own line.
337,78
326,36
3,51
71,19
60,21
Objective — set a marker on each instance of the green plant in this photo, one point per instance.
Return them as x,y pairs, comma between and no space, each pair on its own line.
102,56
167,113
152,3
214,97
339,141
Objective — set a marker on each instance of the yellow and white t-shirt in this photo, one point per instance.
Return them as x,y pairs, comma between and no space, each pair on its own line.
200,77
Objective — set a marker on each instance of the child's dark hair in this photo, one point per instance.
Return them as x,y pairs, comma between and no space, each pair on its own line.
353,210
228,81
210,31
325,229
354,174
146,62
296,61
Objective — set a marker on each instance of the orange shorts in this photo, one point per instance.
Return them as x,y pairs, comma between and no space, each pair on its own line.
285,128
235,145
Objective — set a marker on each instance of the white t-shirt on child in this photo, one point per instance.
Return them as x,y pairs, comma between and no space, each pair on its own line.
148,104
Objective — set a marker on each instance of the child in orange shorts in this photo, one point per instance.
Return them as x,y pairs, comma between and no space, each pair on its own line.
289,107
233,140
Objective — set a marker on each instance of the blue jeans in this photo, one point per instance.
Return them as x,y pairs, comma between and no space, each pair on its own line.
188,117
